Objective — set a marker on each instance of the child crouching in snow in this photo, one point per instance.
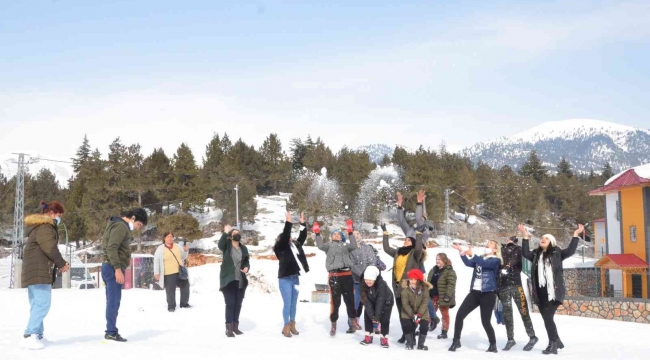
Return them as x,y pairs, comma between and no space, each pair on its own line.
378,304
415,309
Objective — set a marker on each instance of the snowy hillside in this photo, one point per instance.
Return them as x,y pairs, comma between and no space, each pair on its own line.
377,151
587,144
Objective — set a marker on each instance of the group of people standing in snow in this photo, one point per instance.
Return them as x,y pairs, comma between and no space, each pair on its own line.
354,270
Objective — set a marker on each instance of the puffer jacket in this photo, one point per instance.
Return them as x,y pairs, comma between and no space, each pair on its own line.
338,253
41,256
446,284
362,257
489,271
557,256
415,301
416,259
376,299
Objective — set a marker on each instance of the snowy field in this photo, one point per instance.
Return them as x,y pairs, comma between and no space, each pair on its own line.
76,323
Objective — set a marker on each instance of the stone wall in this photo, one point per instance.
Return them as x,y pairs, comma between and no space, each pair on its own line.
631,310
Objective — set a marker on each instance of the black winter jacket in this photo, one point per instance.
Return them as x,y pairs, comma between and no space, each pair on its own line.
376,299
282,250
511,270
557,256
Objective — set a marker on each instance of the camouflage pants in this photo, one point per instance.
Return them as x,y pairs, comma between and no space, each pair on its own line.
516,294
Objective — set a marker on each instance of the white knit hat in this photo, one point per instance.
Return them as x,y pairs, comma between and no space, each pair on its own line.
371,273
551,238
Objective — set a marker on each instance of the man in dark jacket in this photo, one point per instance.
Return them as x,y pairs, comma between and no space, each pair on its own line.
293,263
117,255
510,288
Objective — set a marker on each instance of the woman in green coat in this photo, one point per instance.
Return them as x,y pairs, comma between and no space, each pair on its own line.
443,293
234,267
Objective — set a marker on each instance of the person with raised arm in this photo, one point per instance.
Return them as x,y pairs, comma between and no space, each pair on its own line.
235,265
547,277
292,263
483,290
339,267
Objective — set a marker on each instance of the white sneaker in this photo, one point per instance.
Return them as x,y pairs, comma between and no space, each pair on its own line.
32,343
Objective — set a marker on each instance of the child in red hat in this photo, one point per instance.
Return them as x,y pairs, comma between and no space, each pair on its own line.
415,310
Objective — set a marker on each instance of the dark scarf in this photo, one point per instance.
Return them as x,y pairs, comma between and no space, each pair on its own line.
405,250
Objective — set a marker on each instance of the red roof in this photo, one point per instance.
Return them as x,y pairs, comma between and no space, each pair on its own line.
599,220
626,179
621,261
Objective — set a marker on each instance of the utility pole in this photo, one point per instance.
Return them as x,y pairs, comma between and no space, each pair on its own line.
447,217
19,222
237,204
66,276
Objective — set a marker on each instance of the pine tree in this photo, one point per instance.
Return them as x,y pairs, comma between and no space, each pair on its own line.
385,161
533,168
564,168
98,201
276,168
117,175
351,168
318,156
158,172
607,172
488,182
44,187
400,157
83,155
186,183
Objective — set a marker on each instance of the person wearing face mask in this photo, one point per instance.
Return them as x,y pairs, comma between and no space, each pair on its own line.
548,278
443,292
339,266
233,282
511,290
292,264
483,291
406,258
378,301
41,258
116,246
168,258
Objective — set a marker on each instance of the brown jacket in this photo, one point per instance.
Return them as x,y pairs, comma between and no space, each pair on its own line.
41,251
416,259
415,302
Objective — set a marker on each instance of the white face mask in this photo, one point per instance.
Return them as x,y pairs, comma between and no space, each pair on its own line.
488,251
131,226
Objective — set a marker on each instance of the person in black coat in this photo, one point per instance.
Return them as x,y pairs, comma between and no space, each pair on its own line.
547,277
293,263
378,304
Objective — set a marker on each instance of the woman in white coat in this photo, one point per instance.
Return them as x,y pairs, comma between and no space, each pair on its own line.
167,261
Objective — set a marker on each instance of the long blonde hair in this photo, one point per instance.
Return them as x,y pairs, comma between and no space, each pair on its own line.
498,252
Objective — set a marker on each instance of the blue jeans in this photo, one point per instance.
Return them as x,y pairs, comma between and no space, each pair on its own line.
289,291
432,309
40,299
113,298
357,296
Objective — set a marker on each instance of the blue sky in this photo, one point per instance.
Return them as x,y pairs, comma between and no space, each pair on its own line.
408,72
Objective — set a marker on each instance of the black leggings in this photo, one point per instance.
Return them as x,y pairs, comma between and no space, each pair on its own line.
384,321
473,300
548,309
234,296
341,286
409,326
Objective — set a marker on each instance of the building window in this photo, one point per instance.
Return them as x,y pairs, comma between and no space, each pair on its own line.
632,233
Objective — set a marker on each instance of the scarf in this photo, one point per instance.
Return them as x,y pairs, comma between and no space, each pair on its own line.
404,250
295,252
545,276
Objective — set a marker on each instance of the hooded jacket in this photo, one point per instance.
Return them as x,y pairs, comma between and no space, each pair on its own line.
117,243
376,299
446,284
415,301
511,270
489,271
41,256
338,253
415,260
557,255
282,249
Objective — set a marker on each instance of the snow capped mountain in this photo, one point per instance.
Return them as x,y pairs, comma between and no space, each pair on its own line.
587,144
377,151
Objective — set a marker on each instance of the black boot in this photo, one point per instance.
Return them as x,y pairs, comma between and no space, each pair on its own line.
421,340
402,340
551,349
229,332
410,341
531,343
235,329
493,348
434,323
559,343
443,334
455,345
509,344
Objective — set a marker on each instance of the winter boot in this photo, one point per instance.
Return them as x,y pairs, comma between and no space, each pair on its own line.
356,325
402,340
434,323
333,330
367,340
559,343
292,328
421,340
551,349
509,344
235,329
410,341
531,343
229,332
493,348
384,342
353,326
455,345
443,334
286,331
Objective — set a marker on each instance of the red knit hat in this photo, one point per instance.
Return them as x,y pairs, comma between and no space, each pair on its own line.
416,274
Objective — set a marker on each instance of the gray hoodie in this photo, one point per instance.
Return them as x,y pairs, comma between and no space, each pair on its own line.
338,253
